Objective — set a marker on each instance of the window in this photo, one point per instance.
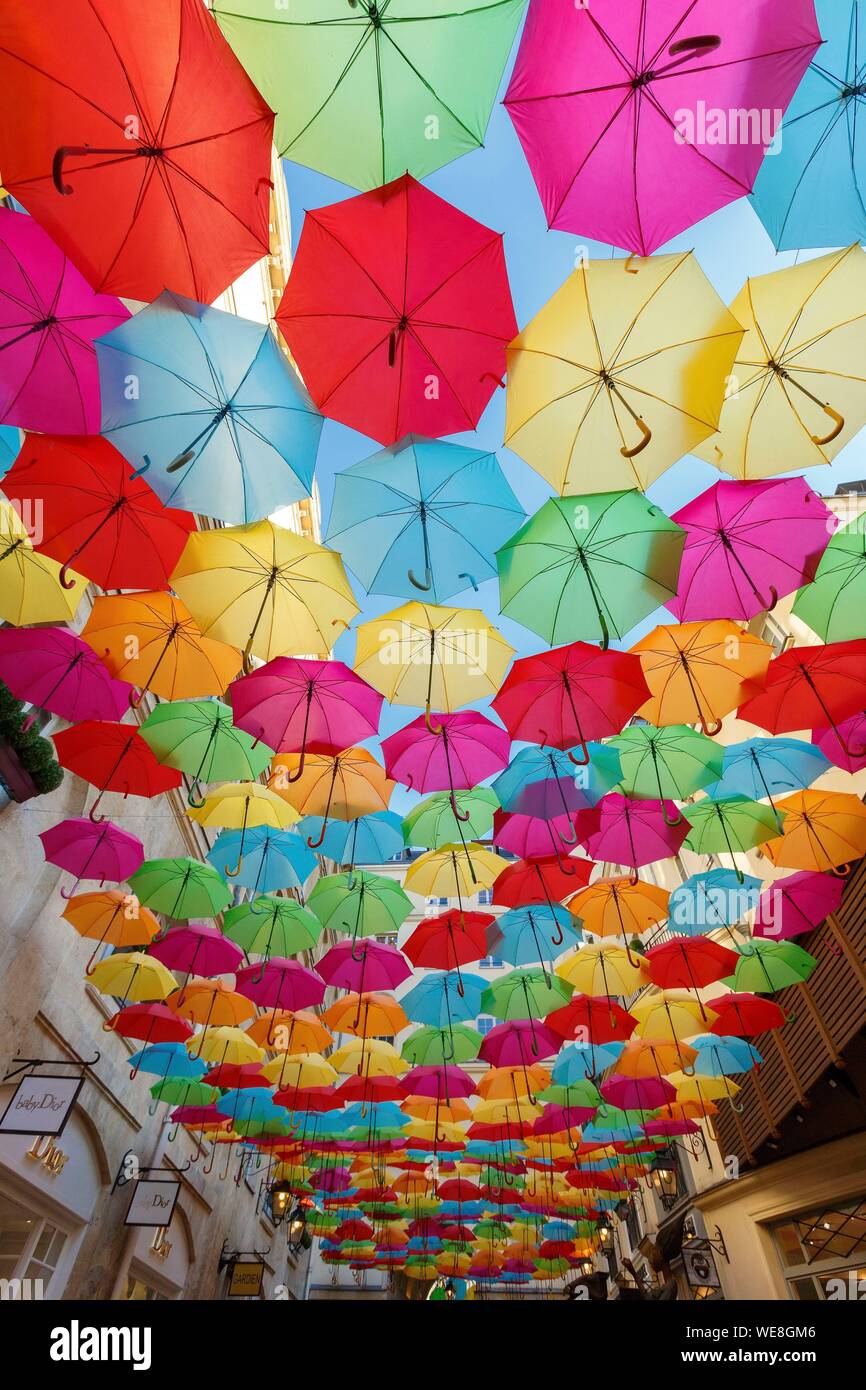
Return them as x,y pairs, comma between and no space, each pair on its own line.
484,1023
138,1292
490,962
485,897
775,635
30,1247
823,1252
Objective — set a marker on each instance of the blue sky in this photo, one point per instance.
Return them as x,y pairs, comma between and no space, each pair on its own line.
494,185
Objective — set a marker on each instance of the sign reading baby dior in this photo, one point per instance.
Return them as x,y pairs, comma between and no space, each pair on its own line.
41,1105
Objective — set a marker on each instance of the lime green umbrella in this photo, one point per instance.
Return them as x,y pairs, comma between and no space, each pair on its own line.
359,904
179,1090
269,926
433,823
490,1229
733,825
589,567
525,994
367,91
434,1047
765,966
198,737
578,1094
834,604
667,764
181,888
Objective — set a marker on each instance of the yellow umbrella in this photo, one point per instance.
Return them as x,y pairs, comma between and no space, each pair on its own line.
265,589
293,1072
672,1015
426,655
453,870
496,1112
218,1045
701,1089
445,1131
796,389
30,587
603,968
627,363
821,831
368,1057
134,977
240,806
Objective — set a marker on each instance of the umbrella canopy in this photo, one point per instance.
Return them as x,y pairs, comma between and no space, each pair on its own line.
111,918
449,940
533,935
589,567
180,888
423,515
673,762
602,968
832,604
451,751
626,367
368,1015
768,767
731,825
747,545
452,871
151,640
691,964
49,318
440,999
367,839
437,1046
123,134
808,195
102,851
798,401
114,758
56,671
633,833
359,904
344,785
269,926
366,93
398,312
796,904
265,588
197,947
30,586
543,880
742,1014
236,435
272,858
237,805
811,686
198,738
368,965
611,109
133,977
618,907
708,901
767,966
699,672
97,514
545,782
446,816
300,706
820,831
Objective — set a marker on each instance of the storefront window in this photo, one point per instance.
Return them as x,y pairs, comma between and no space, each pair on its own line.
139,1292
823,1252
30,1247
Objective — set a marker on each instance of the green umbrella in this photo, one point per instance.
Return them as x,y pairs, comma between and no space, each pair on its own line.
179,1090
359,904
589,567
432,823
666,764
435,1047
833,605
198,737
181,888
271,926
766,966
578,1094
732,824
365,92
525,994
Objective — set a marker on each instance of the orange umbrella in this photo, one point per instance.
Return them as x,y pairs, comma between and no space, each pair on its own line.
369,1015
510,1083
288,1030
821,830
151,641
212,1003
699,672
343,785
681,1111
618,907
653,1057
111,917
427,1108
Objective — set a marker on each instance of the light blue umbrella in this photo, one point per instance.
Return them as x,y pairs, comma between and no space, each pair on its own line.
272,858
10,444
372,839
723,1056
442,999
168,1059
545,782
579,1061
810,188
764,768
534,935
708,901
422,517
209,407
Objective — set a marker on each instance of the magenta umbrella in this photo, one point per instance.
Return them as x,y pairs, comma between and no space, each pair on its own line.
560,1117
840,745
747,545
377,966
49,317
57,671
633,833
669,1128
631,114
796,904
532,837
517,1042
298,705
89,849
450,752
280,984
198,948
445,1081
638,1092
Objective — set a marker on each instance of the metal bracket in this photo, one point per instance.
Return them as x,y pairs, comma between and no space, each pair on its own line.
19,1065
122,1178
228,1257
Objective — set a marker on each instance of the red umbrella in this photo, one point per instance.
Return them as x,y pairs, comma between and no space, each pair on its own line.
638,1092
569,695
299,705
97,515
134,136
690,964
318,1100
448,941
540,880
114,758
592,1019
370,1090
398,312
234,1076
812,687
744,1015
149,1023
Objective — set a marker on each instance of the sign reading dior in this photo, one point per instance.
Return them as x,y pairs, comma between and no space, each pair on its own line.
41,1105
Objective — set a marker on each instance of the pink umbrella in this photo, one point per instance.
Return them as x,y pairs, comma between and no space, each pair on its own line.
451,751
630,114
747,545
638,1092
843,748
796,904
49,317
197,948
281,984
561,1117
517,1042
532,837
298,705
87,849
669,1128
444,1082
56,671
376,967
633,833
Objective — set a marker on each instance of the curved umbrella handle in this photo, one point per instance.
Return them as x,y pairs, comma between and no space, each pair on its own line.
677,820
579,762
458,814
181,461
97,820
737,1107
191,801
464,575
710,730
434,729
841,870
627,265
233,873
61,153
314,844
143,469
646,433
428,576
64,578
838,426
558,939
246,656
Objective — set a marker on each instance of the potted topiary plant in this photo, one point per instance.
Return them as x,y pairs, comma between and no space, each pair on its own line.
28,766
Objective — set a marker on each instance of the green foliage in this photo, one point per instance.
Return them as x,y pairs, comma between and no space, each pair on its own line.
35,753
